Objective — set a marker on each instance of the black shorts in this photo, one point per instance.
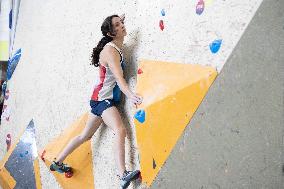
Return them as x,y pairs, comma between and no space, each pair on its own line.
97,107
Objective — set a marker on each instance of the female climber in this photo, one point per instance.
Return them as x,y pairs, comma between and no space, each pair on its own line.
107,55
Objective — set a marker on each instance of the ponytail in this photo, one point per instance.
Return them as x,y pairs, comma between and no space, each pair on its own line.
97,50
105,28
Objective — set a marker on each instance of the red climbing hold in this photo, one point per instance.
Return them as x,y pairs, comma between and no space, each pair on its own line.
69,174
42,155
162,25
140,71
8,141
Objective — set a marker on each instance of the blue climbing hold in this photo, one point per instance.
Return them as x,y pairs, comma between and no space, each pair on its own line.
10,19
4,86
140,116
13,62
163,13
215,45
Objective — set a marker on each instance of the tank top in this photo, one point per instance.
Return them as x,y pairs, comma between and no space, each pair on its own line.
107,87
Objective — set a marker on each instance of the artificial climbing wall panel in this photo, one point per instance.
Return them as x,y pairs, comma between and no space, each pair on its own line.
171,94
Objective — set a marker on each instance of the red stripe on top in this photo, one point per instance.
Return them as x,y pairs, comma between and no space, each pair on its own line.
96,91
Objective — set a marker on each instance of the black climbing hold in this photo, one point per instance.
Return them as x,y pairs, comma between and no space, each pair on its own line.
154,164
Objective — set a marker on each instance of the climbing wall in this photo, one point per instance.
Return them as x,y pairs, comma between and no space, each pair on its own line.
197,32
20,167
171,94
81,159
201,33
174,52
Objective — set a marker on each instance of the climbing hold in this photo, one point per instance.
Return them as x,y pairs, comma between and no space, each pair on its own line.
13,62
162,25
215,45
200,7
7,93
69,174
8,141
24,154
140,116
42,155
4,86
154,164
140,71
163,13
10,19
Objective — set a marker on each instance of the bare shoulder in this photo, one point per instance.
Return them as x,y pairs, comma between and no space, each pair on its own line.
109,50
108,54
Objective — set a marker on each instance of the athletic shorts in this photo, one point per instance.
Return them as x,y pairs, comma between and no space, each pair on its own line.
97,107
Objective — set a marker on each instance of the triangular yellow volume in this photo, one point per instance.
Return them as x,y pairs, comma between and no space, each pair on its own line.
6,180
171,94
80,159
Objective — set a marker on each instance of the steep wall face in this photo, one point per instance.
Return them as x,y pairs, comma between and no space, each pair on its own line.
54,81
235,139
